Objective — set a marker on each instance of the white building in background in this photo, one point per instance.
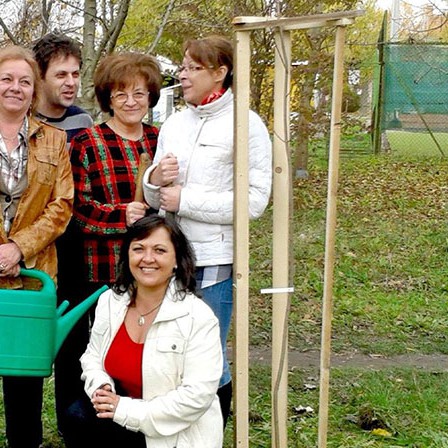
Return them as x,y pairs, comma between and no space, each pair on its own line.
165,106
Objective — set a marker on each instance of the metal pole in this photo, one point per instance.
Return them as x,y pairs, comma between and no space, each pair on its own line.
333,168
395,21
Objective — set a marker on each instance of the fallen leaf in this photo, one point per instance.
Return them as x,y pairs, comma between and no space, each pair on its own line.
381,432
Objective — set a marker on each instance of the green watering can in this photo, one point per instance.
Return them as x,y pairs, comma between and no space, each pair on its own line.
32,330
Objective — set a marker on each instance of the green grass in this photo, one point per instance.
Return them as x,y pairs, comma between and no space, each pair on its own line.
407,143
390,274
390,298
411,405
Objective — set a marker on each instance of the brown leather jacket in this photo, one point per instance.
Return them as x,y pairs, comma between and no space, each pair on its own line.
45,207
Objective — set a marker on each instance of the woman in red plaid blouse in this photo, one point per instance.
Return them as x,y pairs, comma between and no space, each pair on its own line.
105,160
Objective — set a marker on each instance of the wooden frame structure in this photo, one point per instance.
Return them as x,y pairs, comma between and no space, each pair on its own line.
282,200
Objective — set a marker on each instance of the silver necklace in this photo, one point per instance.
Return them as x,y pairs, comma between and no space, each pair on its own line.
141,319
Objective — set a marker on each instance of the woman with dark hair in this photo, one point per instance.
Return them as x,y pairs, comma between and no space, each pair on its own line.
154,360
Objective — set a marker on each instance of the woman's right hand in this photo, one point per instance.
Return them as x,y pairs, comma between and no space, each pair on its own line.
134,211
166,171
105,401
10,256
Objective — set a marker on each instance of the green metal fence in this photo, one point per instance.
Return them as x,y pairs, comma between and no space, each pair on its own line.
411,101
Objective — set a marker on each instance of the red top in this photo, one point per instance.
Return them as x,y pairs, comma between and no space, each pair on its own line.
124,363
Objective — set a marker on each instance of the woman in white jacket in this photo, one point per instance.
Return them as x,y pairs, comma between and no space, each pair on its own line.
154,360
192,176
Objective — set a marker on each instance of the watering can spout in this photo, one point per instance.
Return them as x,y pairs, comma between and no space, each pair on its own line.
66,322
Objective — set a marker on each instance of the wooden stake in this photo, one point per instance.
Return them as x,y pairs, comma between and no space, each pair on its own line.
143,165
281,278
241,239
333,168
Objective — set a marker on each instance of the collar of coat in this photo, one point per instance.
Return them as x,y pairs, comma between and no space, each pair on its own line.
216,108
175,304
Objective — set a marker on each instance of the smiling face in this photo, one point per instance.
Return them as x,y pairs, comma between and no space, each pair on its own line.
132,110
152,261
16,87
60,85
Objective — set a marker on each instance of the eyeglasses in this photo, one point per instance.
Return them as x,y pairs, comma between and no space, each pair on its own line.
122,97
191,69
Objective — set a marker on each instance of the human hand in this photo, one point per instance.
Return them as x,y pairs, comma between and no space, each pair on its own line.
105,401
166,171
10,256
170,198
134,211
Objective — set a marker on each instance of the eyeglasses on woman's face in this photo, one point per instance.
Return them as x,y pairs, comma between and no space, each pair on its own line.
122,97
191,69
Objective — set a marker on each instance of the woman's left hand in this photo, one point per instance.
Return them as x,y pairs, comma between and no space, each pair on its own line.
170,198
134,211
10,255
105,402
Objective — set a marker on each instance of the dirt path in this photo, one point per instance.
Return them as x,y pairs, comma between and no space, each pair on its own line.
311,359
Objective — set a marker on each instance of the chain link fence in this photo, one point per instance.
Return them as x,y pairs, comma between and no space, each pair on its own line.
411,108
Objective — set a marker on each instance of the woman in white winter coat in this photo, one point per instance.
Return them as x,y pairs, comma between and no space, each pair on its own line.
192,176
154,360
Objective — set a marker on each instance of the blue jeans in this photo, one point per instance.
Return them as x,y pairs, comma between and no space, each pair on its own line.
219,298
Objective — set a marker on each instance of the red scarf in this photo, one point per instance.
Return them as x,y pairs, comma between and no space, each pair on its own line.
213,97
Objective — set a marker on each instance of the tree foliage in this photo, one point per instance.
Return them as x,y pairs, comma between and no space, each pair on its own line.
97,24
162,28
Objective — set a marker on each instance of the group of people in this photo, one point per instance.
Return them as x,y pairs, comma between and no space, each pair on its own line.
149,368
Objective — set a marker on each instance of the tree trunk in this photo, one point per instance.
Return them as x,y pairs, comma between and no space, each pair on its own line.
88,57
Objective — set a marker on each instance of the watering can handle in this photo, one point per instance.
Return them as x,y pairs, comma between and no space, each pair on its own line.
48,285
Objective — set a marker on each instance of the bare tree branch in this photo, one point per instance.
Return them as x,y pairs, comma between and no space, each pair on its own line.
7,31
163,23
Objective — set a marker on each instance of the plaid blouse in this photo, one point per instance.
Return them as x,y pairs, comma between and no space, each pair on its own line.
104,171
12,168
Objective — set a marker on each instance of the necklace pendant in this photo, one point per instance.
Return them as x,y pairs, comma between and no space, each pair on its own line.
141,321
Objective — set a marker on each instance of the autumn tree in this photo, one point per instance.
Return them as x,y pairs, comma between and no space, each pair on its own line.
96,24
162,28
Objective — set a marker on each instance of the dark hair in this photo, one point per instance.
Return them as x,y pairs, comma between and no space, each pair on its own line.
213,52
185,260
16,53
119,70
53,46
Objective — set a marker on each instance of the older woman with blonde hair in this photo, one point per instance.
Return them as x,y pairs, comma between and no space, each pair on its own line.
36,196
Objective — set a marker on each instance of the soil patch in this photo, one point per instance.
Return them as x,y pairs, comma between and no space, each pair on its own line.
311,359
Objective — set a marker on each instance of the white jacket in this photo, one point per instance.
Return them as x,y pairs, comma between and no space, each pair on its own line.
182,364
202,140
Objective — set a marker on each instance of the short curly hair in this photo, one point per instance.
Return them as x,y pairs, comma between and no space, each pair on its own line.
119,70
53,46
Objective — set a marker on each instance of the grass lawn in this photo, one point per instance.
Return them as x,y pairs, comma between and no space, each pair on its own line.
406,143
390,298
